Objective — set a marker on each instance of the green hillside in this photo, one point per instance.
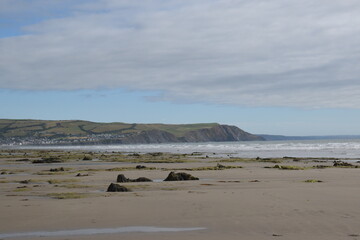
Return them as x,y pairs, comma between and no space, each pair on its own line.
67,128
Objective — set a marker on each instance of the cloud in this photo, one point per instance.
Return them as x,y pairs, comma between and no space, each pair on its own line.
248,53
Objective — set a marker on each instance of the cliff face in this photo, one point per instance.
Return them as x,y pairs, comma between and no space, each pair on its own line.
151,136
219,133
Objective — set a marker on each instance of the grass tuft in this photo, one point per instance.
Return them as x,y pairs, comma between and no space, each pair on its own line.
22,189
287,167
67,195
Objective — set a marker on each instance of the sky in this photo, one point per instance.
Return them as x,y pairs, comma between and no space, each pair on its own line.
284,67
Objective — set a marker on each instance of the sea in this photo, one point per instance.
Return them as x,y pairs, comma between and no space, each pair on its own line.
247,149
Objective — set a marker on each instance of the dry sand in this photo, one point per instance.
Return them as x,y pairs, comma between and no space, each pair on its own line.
228,203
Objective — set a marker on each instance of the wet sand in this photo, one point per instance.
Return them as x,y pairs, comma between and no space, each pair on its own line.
252,202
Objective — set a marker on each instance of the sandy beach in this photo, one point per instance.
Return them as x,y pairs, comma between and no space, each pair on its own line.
297,199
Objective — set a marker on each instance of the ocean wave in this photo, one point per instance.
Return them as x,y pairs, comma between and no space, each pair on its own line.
320,148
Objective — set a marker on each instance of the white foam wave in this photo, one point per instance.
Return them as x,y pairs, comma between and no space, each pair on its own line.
322,148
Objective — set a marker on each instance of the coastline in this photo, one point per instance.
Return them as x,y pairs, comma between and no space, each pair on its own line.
256,201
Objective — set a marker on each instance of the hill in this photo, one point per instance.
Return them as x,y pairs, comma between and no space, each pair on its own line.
85,132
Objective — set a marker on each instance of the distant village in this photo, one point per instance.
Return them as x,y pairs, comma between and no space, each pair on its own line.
71,140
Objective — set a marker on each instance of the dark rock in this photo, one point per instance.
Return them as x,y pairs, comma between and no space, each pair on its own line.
141,179
156,154
87,158
180,177
255,180
122,178
3,173
342,164
23,160
25,181
196,154
57,169
321,166
113,187
48,160
81,175
140,167
219,166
